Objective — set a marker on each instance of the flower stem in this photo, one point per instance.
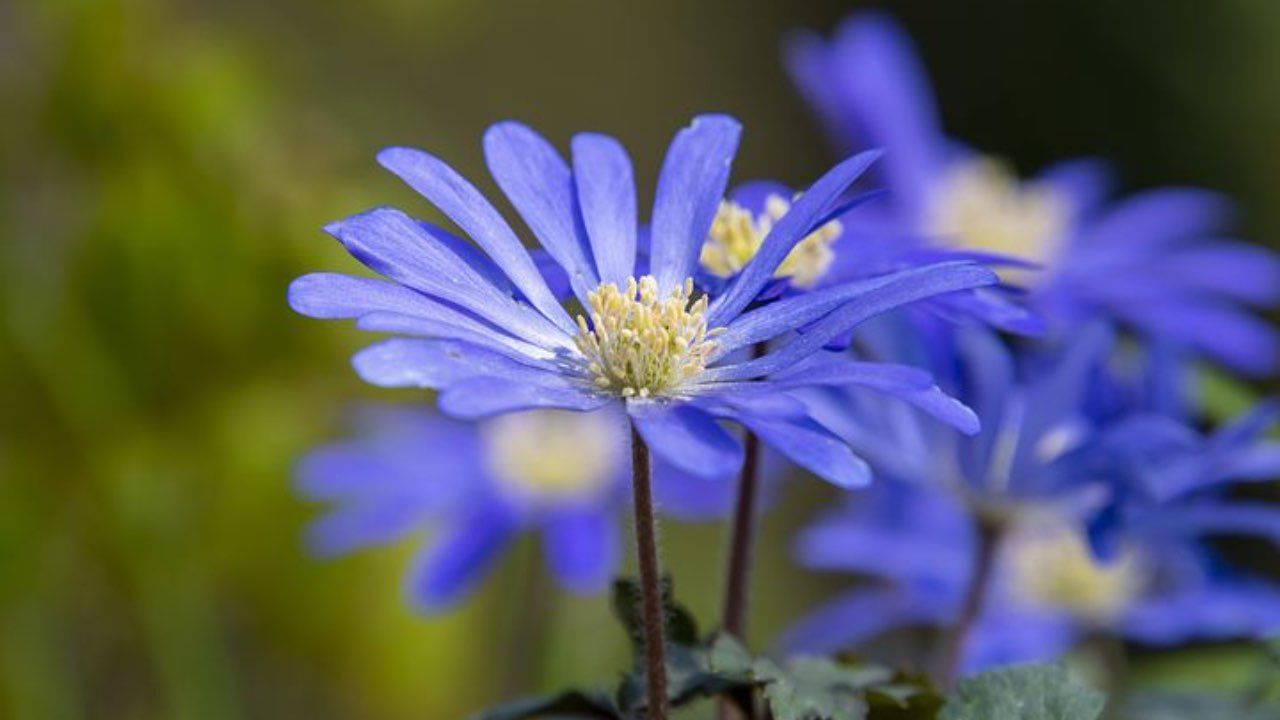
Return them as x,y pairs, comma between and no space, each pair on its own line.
742,544
742,537
650,580
975,600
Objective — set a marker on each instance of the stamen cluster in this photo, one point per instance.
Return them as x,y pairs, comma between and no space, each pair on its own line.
736,236
983,206
640,344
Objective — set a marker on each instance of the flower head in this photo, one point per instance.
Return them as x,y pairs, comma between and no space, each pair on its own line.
1155,262
485,329
738,233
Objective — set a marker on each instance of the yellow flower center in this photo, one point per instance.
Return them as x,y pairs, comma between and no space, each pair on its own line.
552,454
642,345
736,236
981,205
1054,567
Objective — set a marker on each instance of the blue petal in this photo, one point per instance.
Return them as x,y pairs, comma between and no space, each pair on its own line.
461,329
808,209
887,88
1156,217
811,447
581,547
483,397
687,438
462,203
692,184
607,196
393,244
1221,610
900,289
363,524
856,617
458,559
1232,337
404,362
538,182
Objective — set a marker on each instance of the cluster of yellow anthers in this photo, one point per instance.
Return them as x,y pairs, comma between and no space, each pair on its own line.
736,236
982,205
641,345
1054,567
551,454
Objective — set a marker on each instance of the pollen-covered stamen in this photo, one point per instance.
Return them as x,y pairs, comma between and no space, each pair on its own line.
736,236
1053,567
981,205
639,344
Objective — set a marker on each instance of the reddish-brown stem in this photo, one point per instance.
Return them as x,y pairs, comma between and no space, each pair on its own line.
650,580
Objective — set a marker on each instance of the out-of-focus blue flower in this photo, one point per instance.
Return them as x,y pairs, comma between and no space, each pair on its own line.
1036,408
493,338
476,487
1155,261
840,251
1048,591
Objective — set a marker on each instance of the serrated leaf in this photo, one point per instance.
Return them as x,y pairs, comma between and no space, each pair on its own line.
814,689
568,704
1028,692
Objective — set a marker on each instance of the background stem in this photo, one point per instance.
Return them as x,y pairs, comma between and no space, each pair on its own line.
650,580
975,600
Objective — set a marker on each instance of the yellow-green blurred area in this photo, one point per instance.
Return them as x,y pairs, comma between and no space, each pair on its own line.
166,169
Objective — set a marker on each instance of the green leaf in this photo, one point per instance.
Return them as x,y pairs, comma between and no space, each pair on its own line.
568,704
816,689
681,628
1194,706
1029,692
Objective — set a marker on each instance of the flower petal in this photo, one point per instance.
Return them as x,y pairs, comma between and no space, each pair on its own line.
462,203
406,362
807,210
607,197
538,182
582,548
482,397
687,438
457,560
692,184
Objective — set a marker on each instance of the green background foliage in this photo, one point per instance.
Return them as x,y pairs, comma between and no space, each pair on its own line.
164,171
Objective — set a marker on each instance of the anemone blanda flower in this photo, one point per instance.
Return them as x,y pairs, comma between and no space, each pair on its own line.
475,488
493,339
1048,590
1155,261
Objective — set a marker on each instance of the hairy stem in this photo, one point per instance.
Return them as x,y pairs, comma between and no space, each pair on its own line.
650,580
975,600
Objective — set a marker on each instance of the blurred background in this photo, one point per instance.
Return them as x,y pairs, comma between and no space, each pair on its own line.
165,168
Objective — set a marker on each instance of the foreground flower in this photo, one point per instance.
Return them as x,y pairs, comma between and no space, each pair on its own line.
1154,262
495,339
1047,590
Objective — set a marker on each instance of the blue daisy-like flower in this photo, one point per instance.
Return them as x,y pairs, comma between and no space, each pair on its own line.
1155,261
475,488
491,336
1047,592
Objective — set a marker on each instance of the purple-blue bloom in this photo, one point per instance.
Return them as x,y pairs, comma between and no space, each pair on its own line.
484,329
1156,262
475,488
1048,591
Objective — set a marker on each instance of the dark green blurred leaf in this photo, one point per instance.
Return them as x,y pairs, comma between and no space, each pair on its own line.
571,703
1029,692
1194,706
682,629
816,689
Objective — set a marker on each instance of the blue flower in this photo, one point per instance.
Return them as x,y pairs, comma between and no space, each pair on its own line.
477,487
1154,261
490,335
1048,590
